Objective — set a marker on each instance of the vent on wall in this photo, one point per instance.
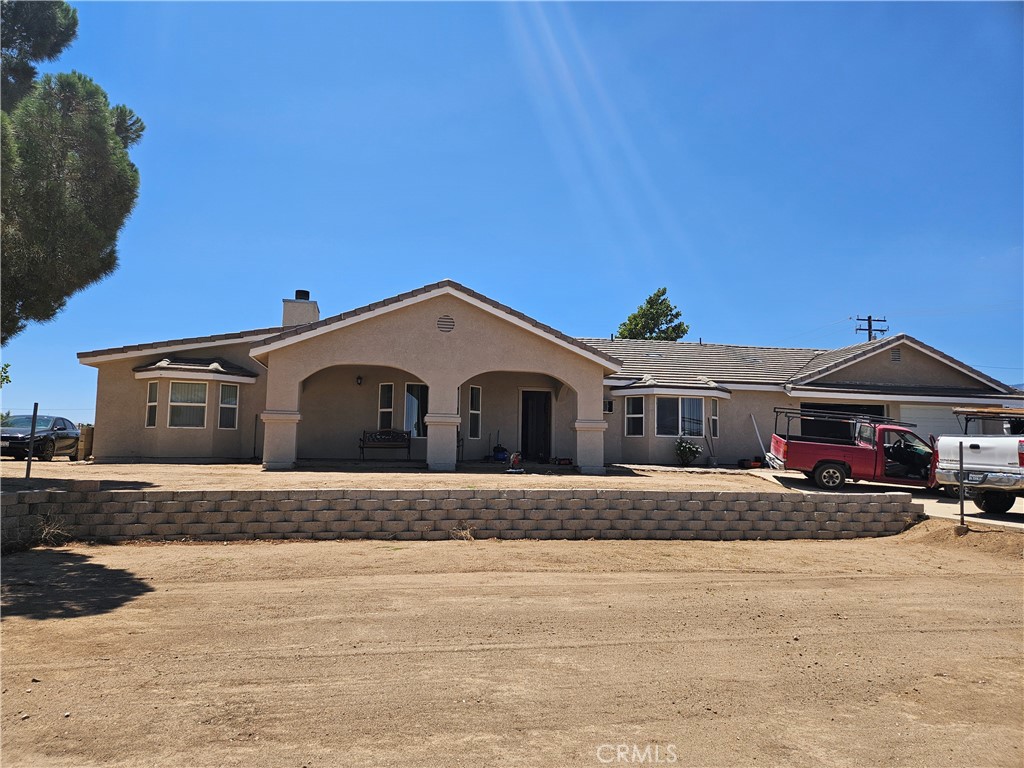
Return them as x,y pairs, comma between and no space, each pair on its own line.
446,323
894,355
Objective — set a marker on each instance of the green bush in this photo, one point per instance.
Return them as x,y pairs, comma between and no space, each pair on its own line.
687,452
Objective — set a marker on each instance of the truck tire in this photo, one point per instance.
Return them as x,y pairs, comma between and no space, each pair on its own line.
830,477
950,491
994,501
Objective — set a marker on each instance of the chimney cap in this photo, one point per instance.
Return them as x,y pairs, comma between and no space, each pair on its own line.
301,295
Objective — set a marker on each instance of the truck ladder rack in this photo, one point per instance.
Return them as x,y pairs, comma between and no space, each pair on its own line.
861,418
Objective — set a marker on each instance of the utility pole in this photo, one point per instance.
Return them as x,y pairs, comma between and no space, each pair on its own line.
871,330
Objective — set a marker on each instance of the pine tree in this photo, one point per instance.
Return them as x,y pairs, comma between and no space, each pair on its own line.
657,318
68,184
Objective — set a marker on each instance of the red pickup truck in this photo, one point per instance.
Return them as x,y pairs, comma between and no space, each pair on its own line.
877,449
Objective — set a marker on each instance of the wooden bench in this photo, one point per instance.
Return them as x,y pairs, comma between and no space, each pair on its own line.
390,439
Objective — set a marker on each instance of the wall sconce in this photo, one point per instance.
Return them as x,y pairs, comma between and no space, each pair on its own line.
359,381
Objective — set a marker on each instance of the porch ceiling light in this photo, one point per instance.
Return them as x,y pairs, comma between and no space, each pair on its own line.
359,381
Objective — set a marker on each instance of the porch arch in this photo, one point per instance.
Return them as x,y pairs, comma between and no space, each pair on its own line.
340,402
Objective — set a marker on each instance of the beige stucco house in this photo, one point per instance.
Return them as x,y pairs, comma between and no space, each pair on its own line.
461,372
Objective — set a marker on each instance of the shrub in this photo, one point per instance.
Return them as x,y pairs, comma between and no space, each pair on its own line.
687,452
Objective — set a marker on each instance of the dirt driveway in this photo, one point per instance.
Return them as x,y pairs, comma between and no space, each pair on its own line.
879,652
239,477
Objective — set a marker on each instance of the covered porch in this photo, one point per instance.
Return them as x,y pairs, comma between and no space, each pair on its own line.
458,373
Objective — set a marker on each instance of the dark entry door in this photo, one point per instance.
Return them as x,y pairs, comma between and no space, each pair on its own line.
536,427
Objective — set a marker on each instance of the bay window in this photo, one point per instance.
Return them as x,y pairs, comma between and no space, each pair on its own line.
634,416
187,405
679,416
228,416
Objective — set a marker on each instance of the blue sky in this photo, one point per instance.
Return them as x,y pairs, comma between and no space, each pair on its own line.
780,167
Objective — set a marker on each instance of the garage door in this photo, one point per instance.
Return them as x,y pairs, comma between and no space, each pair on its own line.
934,420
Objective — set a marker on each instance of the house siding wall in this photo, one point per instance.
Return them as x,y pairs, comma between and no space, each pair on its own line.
481,343
121,413
914,368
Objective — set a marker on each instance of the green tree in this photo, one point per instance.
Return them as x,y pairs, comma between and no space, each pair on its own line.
68,184
31,32
657,318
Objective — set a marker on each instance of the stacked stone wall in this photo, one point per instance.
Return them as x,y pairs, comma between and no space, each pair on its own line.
116,516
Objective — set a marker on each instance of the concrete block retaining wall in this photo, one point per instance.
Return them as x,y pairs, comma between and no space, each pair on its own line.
116,516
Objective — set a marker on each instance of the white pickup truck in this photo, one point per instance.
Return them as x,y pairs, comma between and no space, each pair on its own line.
993,468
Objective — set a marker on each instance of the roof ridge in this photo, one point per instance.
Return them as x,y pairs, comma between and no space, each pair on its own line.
588,339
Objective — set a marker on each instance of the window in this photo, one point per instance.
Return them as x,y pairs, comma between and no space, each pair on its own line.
416,409
609,406
714,417
188,405
634,417
679,416
151,404
228,417
386,407
475,408
866,434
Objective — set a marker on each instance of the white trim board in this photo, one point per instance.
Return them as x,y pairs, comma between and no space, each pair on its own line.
195,376
895,398
637,391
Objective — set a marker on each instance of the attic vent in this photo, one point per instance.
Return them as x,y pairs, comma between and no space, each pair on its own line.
894,355
446,323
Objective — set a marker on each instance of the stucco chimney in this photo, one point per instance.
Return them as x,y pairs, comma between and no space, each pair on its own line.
300,310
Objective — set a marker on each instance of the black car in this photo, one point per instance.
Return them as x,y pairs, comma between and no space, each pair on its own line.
54,437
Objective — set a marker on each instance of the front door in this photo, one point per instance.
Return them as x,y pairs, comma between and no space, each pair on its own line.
535,438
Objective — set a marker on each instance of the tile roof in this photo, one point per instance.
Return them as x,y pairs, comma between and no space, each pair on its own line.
693,364
194,341
197,365
696,364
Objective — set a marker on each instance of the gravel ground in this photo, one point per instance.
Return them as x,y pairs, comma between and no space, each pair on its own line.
879,652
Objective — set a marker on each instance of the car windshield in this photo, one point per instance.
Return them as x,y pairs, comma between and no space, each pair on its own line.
25,422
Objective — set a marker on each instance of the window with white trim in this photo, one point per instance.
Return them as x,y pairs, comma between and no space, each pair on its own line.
714,417
679,417
187,405
228,416
386,406
608,407
152,390
416,409
475,411
635,416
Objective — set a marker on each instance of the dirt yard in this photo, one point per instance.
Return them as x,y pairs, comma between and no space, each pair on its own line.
240,477
905,651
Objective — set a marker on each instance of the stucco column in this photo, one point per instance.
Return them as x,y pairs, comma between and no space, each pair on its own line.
279,438
590,445
442,447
